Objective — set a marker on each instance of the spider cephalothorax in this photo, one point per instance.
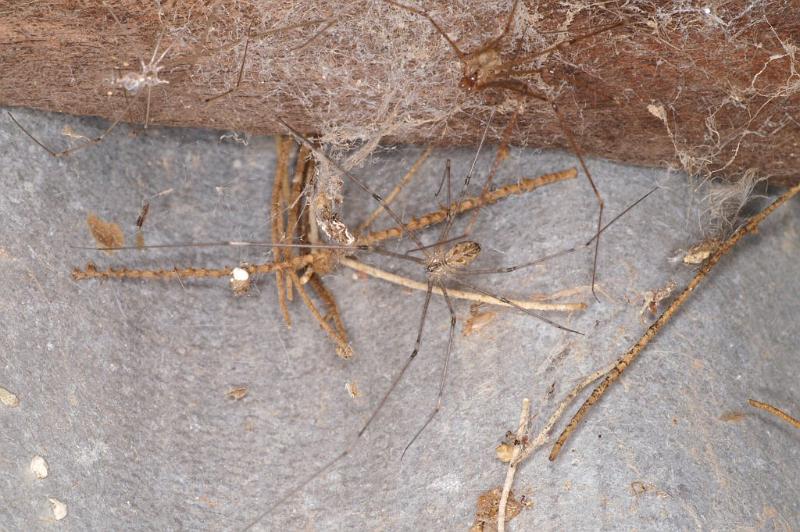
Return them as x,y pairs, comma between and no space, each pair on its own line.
479,68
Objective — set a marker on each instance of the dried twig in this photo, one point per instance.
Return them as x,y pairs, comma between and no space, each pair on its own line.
522,432
460,294
775,412
278,225
627,359
544,433
343,349
467,204
91,271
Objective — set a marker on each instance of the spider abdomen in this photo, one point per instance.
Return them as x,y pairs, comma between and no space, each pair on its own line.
462,254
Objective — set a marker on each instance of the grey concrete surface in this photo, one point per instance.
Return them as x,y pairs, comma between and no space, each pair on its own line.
122,385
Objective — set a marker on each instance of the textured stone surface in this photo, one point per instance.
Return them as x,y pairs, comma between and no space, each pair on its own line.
122,385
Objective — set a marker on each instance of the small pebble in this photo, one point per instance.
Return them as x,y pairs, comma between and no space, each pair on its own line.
8,398
240,281
39,467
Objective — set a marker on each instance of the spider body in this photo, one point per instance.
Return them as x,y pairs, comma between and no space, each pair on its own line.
480,68
443,264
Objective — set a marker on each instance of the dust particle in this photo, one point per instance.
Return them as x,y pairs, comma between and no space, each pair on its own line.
238,393
352,389
107,234
732,416
487,508
8,398
240,281
504,452
699,253
658,111
477,320
638,488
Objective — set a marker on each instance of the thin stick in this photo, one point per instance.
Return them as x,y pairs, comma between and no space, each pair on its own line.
91,271
460,294
775,412
468,204
282,146
302,166
330,304
544,434
343,349
627,359
522,431
397,189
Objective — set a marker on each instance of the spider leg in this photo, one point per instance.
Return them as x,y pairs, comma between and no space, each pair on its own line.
155,51
508,302
89,142
579,154
408,362
521,87
450,213
241,69
525,58
449,219
500,155
499,39
147,108
509,269
446,366
453,45
366,425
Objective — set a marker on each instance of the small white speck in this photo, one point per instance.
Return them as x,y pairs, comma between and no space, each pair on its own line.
237,164
39,467
50,346
59,508
240,274
707,10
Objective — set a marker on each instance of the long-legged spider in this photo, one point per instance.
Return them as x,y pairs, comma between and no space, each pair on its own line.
317,259
484,68
131,83
441,263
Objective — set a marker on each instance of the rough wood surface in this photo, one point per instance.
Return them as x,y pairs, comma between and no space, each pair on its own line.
710,88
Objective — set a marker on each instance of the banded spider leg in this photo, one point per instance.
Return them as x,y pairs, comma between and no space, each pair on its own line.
485,68
443,262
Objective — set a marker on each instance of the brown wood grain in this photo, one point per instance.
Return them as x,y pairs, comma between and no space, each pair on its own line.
725,77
